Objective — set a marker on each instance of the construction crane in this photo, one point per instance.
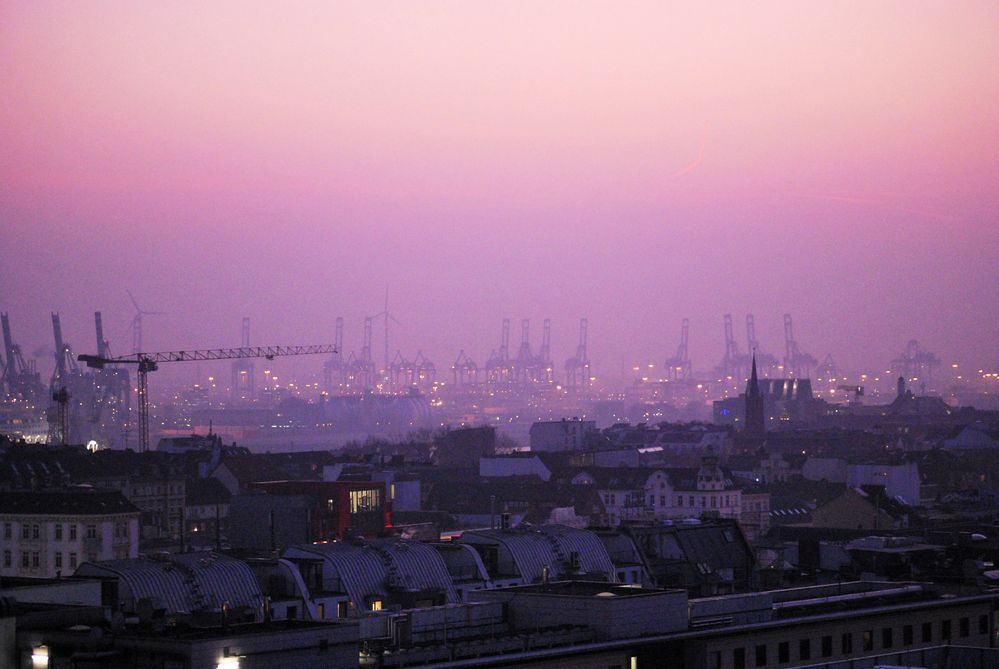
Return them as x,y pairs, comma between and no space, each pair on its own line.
149,362
577,368
766,362
67,383
733,364
21,379
546,369
525,360
498,366
464,371
110,400
914,362
243,385
678,367
333,368
797,364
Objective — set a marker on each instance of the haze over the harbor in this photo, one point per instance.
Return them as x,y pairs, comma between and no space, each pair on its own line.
633,163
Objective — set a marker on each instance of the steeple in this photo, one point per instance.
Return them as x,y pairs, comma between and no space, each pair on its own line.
756,424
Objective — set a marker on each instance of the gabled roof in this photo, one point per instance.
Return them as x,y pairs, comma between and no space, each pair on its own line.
252,469
201,492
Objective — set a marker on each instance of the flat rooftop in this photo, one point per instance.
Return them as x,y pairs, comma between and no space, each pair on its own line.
588,589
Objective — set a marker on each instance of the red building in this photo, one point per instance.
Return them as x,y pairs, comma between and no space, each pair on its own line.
338,507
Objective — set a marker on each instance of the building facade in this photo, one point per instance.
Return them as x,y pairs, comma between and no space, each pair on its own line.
49,534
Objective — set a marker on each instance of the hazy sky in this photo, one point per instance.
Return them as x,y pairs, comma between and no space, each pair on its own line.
635,163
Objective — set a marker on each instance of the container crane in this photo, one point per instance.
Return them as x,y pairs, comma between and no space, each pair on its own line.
149,362
678,367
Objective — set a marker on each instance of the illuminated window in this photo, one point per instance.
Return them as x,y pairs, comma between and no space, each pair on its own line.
376,605
365,500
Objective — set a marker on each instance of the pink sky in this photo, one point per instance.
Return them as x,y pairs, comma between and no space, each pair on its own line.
635,163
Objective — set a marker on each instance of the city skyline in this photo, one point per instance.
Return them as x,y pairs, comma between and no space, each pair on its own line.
633,166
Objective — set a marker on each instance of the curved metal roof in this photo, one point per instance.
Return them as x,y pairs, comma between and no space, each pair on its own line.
373,568
184,582
534,548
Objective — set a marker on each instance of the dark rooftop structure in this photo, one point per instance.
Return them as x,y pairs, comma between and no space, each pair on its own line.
80,501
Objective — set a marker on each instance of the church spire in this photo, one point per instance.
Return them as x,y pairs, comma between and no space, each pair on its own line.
755,410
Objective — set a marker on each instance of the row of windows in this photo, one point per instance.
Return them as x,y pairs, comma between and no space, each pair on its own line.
806,650
706,501
713,500
34,531
172,489
31,560
31,531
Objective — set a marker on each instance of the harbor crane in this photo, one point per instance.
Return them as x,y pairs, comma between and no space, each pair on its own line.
149,362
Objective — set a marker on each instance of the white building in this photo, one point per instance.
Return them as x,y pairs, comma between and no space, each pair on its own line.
48,534
634,493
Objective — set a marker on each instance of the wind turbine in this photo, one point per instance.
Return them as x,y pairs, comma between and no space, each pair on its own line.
137,323
387,316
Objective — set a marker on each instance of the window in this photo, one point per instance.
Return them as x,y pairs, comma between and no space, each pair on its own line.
964,626
25,531
35,531
690,500
91,531
846,643
7,558
25,560
662,500
886,637
58,560
761,655
7,530
679,500
927,632
72,531
945,630
34,559
868,640
826,646
784,652
376,605
72,560
907,635
805,649
983,624
739,658
58,531
714,502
